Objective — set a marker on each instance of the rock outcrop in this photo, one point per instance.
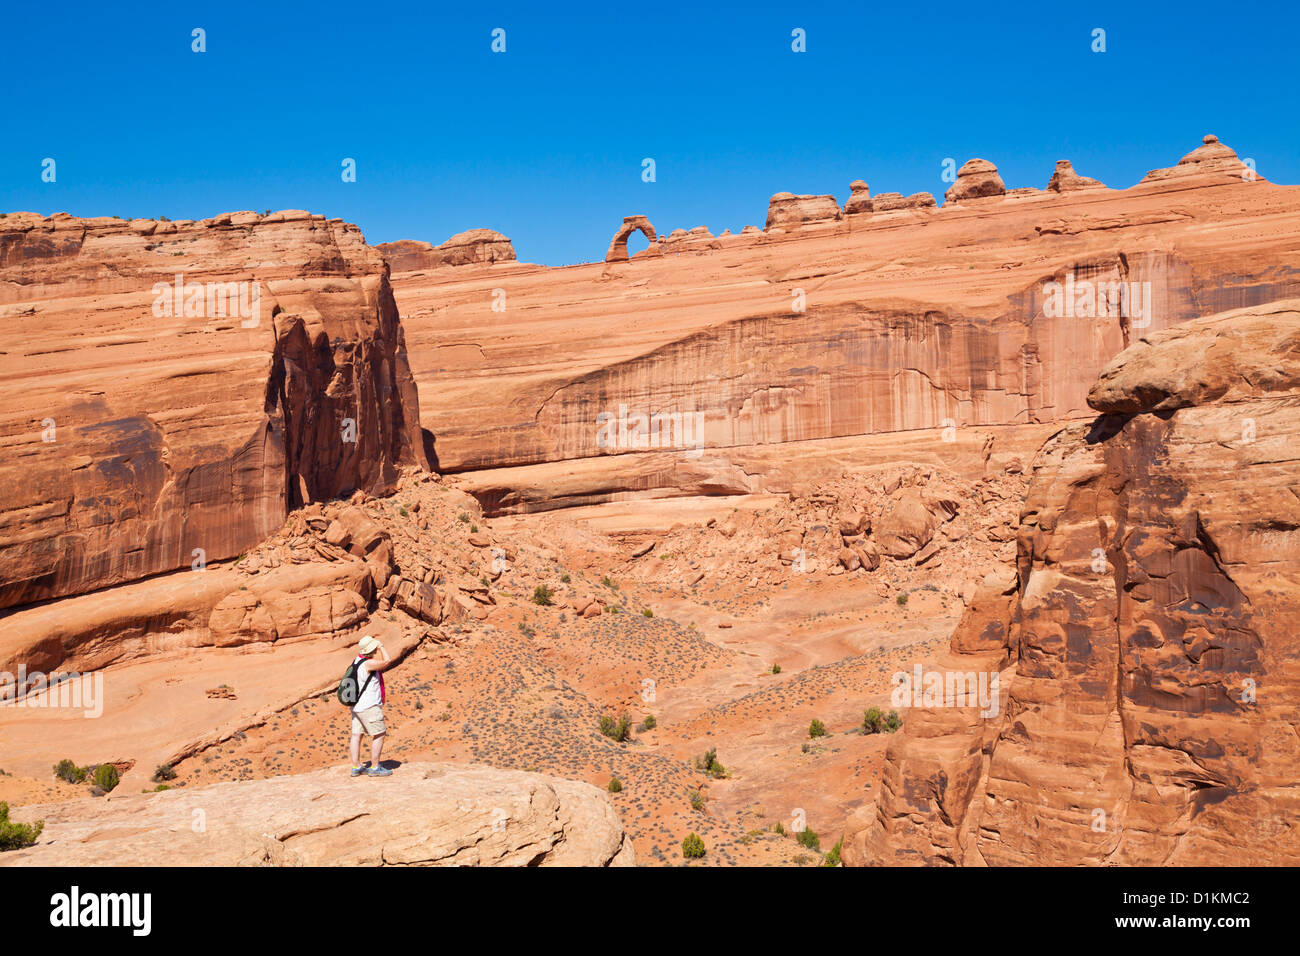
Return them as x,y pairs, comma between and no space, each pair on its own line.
617,251
1065,179
424,815
892,202
170,390
1150,718
860,200
786,210
1212,160
977,179
472,247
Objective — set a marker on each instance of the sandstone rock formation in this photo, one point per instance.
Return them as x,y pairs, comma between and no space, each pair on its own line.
424,815
1211,161
618,245
976,179
860,200
912,318
1065,179
892,202
472,247
1150,716
170,390
786,210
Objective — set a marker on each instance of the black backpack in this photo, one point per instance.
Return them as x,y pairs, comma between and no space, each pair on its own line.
347,692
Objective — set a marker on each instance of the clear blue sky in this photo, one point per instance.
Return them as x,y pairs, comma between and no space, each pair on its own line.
545,142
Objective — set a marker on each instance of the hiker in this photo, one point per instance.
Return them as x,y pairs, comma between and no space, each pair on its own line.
368,712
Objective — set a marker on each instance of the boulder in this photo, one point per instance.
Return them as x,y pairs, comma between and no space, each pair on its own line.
977,178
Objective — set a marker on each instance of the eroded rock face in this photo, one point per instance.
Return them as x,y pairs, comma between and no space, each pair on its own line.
152,423
424,815
786,210
860,200
976,179
472,247
892,202
1065,179
1150,716
1212,160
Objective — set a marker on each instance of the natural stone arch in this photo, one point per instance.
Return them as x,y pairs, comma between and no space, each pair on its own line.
618,245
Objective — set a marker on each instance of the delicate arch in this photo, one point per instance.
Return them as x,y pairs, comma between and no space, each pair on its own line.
618,245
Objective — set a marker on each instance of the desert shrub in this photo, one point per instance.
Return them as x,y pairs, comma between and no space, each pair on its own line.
463,517
648,613
649,723
816,729
697,801
692,846
779,829
564,578
833,857
403,512
164,772
616,730
902,599
893,721
776,668
105,777
70,772
542,595
15,836
615,785
808,839
708,764
873,721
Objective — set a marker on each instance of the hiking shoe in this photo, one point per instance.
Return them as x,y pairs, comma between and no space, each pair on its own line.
358,771
379,772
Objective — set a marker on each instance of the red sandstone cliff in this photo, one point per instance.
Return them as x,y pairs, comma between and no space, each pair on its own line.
1154,691
140,425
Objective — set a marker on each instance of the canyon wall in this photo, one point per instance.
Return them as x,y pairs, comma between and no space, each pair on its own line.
169,390
877,322
1149,636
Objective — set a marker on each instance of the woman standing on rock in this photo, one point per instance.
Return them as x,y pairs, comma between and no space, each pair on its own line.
368,711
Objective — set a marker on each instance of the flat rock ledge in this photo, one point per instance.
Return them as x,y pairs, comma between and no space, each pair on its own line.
425,814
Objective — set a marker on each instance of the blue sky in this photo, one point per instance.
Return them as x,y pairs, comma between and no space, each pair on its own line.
545,142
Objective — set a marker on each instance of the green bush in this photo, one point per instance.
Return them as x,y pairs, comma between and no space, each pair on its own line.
615,785
649,723
697,801
893,721
708,765
779,829
873,720
164,772
542,595
808,839
816,729
68,771
564,578
833,857
902,599
648,613
616,730
105,777
776,668
15,836
692,847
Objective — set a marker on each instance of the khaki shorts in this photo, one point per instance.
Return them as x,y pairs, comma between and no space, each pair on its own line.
369,721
